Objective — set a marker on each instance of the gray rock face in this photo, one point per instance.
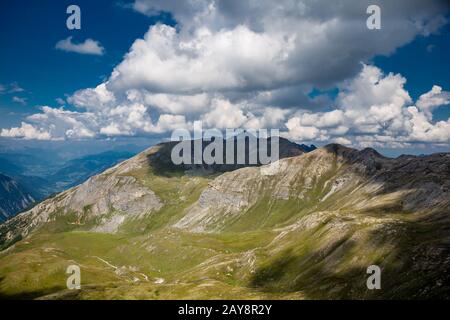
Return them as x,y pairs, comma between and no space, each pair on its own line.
225,196
106,193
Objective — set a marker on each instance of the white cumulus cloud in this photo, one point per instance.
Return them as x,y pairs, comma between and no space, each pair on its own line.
89,46
22,101
26,131
374,109
433,99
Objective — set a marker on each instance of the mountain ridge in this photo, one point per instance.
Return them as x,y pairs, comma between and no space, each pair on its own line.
324,215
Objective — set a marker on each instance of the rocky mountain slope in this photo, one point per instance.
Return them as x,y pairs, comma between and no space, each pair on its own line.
148,229
42,177
13,197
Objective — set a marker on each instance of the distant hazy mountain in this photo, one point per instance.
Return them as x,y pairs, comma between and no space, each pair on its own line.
78,170
148,229
13,197
39,177
29,164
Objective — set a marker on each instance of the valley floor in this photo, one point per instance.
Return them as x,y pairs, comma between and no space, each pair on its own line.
164,265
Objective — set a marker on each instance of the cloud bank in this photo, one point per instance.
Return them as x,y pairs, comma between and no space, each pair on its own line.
265,64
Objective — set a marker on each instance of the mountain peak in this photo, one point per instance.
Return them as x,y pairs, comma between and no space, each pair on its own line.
371,152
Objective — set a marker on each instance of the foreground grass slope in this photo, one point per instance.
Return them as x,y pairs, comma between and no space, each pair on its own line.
148,230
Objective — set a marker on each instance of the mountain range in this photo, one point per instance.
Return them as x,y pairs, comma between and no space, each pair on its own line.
147,229
34,178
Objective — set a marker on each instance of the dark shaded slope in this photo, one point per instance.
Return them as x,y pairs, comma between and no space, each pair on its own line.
13,198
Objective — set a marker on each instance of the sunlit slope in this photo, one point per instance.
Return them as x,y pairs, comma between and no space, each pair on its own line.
148,229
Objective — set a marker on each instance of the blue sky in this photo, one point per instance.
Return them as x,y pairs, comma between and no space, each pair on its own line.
246,90
423,61
30,30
